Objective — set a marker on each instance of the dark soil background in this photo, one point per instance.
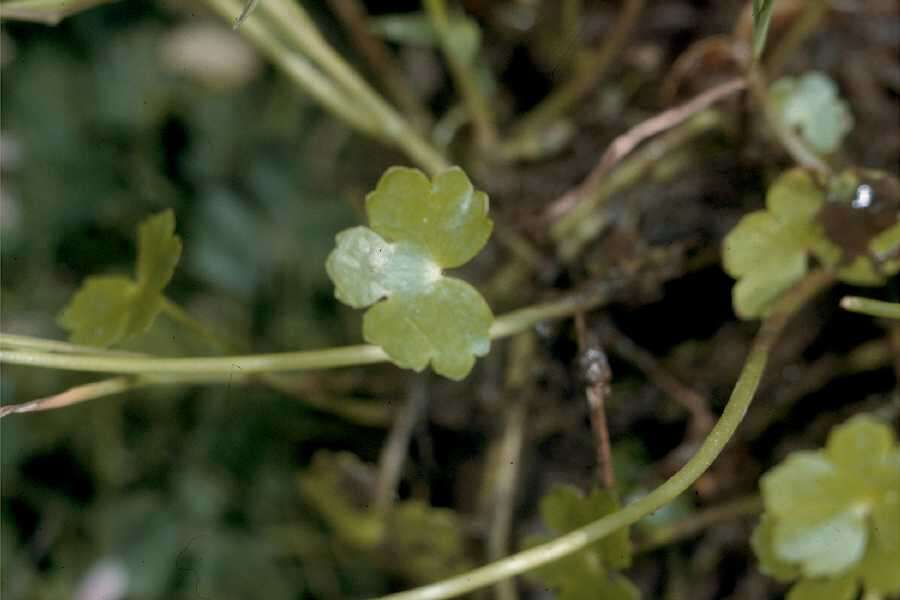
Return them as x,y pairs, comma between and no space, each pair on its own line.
191,492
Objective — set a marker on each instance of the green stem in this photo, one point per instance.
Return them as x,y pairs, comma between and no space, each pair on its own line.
301,71
873,308
25,342
182,317
712,446
504,326
463,76
49,12
295,23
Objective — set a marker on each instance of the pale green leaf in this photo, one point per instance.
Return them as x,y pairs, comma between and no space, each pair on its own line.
158,251
447,217
795,196
762,14
861,446
99,314
418,227
817,523
879,568
769,562
447,325
811,105
838,588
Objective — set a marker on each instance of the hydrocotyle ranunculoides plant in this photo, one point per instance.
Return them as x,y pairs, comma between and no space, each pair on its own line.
849,223
832,517
418,228
109,308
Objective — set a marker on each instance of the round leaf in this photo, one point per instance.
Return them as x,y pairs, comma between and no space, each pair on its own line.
447,217
447,325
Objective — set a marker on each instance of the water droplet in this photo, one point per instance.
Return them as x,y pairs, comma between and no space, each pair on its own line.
863,197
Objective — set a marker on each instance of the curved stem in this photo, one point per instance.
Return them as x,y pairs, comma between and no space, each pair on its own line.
715,442
346,356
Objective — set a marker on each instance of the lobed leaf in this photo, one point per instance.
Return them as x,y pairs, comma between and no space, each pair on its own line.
418,227
589,573
811,105
107,309
832,517
767,250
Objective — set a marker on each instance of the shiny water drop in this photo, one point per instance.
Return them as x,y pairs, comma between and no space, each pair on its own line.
863,197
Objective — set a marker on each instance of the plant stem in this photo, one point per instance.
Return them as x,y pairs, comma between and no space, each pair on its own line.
301,71
873,308
355,19
49,12
806,25
715,442
182,317
699,521
296,24
75,395
25,342
346,356
463,76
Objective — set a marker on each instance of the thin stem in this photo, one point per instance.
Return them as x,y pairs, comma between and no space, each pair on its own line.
25,342
587,75
792,143
393,454
301,71
294,22
715,442
873,308
75,395
596,371
355,19
805,26
49,12
463,76
182,317
346,356
697,522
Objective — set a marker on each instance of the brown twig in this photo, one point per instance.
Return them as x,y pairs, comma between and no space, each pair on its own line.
74,395
598,375
628,141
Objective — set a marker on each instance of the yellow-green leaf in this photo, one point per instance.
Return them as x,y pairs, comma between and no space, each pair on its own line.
418,228
158,251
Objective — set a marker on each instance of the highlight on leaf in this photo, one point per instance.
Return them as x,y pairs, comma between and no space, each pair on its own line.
832,516
593,572
418,228
109,308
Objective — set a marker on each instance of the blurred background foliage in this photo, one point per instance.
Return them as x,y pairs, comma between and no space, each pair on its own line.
197,492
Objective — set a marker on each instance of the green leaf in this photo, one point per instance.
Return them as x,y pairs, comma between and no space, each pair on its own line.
769,562
762,14
158,251
107,309
418,228
586,574
840,588
817,523
833,516
766,251
447,217
329,487
424,543
811,104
